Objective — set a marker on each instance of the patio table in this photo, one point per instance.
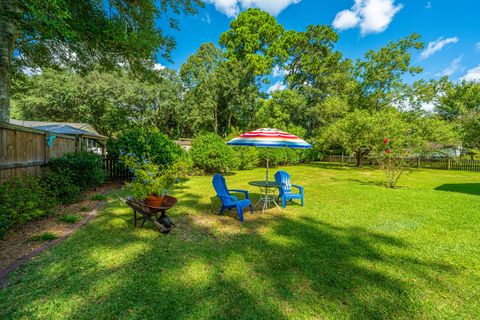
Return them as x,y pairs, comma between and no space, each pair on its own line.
268,193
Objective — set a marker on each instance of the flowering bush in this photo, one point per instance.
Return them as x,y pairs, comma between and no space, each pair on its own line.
393,161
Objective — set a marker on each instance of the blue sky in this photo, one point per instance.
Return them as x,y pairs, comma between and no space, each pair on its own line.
450,29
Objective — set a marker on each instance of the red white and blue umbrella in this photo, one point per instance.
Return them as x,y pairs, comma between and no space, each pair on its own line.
271,138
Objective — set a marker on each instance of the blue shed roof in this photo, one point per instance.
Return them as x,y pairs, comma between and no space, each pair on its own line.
62,128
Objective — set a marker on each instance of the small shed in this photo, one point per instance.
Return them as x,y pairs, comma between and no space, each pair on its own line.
87,137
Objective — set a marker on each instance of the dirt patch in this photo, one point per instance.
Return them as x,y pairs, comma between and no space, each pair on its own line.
17,242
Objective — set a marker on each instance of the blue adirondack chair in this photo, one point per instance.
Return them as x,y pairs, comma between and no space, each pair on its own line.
282,179
229,201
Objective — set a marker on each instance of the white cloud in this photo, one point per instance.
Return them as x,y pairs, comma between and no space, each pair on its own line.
472,74
233,7
372,16
158,67
279,72
454,66
477,46
277,86
346,19
435,46
428,5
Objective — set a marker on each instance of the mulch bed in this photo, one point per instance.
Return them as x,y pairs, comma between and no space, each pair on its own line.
17,246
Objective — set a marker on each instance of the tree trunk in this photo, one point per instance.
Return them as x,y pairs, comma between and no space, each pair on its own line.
7,40
359,157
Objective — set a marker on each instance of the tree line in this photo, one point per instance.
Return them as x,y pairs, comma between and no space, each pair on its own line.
339,104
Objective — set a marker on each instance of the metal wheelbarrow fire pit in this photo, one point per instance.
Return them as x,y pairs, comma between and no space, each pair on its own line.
156,215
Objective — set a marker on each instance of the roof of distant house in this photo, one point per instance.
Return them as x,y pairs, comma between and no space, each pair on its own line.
60,127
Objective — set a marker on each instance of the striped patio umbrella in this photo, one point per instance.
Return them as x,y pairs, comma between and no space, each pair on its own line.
269,138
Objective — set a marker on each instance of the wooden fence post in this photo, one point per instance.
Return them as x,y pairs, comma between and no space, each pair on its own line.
449,164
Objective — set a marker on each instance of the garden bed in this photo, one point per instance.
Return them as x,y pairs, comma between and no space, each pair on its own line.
22,240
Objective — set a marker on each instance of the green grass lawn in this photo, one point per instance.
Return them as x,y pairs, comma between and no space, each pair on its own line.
356,250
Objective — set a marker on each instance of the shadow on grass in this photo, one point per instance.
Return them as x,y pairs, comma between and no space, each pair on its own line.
302,268
378,183
337,166
466,188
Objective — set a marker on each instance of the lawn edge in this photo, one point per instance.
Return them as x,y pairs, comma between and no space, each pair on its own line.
5,273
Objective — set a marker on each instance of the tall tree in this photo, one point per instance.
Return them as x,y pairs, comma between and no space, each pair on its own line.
318,72
112,101
80,34
460,104
381,73
253,39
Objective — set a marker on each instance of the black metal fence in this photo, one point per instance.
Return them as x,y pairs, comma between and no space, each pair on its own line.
425,163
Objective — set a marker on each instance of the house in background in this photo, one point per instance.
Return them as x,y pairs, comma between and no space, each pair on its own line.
87,137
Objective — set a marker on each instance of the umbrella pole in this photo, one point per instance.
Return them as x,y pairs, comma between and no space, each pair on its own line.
267,165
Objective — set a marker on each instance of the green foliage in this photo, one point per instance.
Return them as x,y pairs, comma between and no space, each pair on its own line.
253,39
460,104
151,179
99,197
70,218
44,236
381,73
210,153
60,186
82,34
248,157
26,198
280,156
148,178
361,132
110,101
84,168
319,76
146,143
22,199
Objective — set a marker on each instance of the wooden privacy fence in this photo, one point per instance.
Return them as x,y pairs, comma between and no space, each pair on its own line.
24,150
425,163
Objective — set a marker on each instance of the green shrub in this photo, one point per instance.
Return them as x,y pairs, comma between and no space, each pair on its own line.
70,218
84,168
248,157
60,186
280,156
44,236
145,143
22,199
99,197
210,153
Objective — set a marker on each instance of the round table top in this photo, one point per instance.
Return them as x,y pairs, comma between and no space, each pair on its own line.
263,184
